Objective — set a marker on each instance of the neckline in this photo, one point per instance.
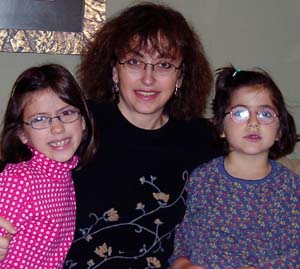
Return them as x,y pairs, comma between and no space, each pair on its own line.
127,124
246,181
52,168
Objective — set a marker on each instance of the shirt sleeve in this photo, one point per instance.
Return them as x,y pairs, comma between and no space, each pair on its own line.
183,239
289,257
15,205
14,196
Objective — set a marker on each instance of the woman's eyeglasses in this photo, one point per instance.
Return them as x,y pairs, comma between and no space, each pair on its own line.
241,114
160,68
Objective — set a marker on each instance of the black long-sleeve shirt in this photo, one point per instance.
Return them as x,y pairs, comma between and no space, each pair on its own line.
131,196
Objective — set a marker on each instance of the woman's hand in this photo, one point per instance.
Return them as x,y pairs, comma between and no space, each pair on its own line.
189,266
4,241
185,263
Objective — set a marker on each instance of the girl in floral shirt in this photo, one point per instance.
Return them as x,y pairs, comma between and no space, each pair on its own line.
47,130
243,210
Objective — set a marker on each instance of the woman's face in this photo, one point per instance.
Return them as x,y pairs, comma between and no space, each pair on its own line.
145,92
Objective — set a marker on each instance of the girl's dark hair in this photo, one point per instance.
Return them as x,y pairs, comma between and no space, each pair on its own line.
169,34
35,79
228,80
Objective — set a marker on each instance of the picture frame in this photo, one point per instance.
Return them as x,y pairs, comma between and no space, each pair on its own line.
52,42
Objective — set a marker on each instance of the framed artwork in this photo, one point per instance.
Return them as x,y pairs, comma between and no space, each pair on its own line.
49,26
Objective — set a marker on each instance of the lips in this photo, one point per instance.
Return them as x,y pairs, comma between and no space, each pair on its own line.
253,137
60,143
146,95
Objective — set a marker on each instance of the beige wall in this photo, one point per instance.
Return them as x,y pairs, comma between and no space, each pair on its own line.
12,64
262,33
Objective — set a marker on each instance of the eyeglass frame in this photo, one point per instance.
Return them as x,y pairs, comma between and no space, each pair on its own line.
274,115
125,63
50,119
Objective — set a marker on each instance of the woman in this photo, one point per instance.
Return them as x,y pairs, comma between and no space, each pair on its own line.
148,72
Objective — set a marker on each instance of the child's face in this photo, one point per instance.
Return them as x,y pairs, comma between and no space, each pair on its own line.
60,140
251,137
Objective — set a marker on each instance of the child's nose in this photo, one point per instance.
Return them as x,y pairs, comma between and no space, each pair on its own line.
57,126
253,121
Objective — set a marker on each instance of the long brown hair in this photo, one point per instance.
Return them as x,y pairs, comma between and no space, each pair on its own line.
144,23
32,80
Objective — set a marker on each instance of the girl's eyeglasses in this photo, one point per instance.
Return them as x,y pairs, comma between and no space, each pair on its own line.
241,114
43,121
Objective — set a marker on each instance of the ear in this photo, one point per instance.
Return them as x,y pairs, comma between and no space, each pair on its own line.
83,124
223,134
278,136
22,136
179,81
115,75
180,78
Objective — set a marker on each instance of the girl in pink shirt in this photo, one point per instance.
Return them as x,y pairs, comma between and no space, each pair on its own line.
47,130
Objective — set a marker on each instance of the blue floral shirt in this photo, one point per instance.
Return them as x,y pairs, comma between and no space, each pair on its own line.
230,222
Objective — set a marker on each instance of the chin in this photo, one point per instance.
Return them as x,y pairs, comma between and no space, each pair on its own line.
61,159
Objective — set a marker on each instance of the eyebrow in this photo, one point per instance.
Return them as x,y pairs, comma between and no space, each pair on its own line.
140,54
48,114
259,107
133,52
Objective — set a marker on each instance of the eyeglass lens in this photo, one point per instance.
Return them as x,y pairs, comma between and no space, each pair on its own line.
264,115
135,65
45,121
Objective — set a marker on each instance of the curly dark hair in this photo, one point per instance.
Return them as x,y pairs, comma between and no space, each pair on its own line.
228,80
35,79
148,23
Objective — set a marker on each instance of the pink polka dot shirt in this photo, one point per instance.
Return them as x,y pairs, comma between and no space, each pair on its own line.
38,197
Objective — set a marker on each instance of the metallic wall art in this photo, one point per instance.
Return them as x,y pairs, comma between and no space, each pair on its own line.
55,42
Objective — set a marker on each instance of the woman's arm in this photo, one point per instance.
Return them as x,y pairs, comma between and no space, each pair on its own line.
184,263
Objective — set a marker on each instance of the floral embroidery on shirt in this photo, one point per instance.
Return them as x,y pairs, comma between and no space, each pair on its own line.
153,262
103,251
161,196
101,224
111,215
